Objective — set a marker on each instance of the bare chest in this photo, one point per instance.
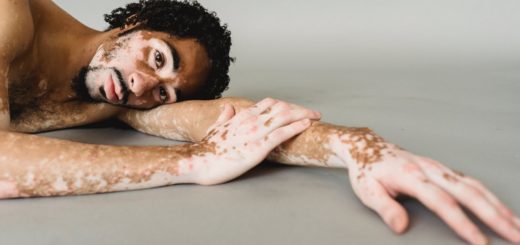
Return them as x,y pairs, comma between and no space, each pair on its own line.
36,106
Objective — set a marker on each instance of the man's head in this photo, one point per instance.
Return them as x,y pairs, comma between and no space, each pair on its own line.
165,51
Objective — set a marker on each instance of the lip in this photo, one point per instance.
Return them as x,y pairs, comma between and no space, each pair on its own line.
110,88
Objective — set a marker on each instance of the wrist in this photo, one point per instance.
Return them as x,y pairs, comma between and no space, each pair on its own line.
358,147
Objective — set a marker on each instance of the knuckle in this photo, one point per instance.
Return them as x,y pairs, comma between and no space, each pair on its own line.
471,193
495,218
283,105
477,182
449,201
251,120
269,100
411,168
442,201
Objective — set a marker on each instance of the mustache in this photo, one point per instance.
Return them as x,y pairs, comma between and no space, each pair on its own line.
122,83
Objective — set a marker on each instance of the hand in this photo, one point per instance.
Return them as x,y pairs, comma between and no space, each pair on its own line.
243,140
394,171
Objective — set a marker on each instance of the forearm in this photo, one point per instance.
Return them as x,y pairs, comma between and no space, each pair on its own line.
185,121
319,145
37,166
327,145
53,116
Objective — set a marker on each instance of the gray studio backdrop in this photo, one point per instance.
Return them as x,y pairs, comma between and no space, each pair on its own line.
440,78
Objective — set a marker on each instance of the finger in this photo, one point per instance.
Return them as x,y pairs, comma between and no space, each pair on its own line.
280,135
262,106
287,117
255,110
517,221
509,225
492,213
375,196
442,204
502,208
475,201
279,107
227,113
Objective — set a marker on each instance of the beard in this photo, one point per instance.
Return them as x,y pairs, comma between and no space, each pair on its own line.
79,85
80,88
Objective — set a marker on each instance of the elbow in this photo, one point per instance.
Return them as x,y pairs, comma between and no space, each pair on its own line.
210,180
8,189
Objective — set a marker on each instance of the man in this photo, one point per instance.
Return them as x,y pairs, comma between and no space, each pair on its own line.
56,73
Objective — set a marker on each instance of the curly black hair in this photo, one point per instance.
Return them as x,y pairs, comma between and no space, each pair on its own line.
183,19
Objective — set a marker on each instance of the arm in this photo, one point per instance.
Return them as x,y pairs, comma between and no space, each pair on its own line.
185,121
379,171
36,166
51,116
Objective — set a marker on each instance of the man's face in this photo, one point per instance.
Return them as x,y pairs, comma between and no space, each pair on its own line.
144,69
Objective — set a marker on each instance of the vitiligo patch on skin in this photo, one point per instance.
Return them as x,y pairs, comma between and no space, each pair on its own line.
44,116
73,168
316,143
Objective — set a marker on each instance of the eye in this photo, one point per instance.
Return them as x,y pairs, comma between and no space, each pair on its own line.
159,59
163,94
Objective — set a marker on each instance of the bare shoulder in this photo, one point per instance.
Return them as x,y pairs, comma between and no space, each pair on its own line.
16,28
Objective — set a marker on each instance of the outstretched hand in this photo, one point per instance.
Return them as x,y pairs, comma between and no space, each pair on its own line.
439,188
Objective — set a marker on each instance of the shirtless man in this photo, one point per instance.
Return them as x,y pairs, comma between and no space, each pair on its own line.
57,73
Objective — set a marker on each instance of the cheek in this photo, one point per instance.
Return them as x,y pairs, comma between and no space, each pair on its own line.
99,59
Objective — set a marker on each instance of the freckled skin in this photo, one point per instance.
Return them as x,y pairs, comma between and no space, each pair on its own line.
229,136
378,170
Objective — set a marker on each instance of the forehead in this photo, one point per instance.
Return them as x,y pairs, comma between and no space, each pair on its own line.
194,65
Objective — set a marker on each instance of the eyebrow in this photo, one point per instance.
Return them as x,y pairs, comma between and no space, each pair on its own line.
175,55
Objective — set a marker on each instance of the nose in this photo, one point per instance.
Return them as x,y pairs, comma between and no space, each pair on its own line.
139,84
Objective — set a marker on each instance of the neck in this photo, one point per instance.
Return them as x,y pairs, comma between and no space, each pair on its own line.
73,55
64,46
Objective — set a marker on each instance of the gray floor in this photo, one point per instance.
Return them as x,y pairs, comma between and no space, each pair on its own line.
440,78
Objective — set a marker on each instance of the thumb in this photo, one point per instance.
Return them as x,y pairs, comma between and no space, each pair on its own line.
228,112
374,196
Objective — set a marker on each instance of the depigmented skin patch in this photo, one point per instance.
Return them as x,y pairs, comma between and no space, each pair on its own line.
73,168
315,147
312,147
45,116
